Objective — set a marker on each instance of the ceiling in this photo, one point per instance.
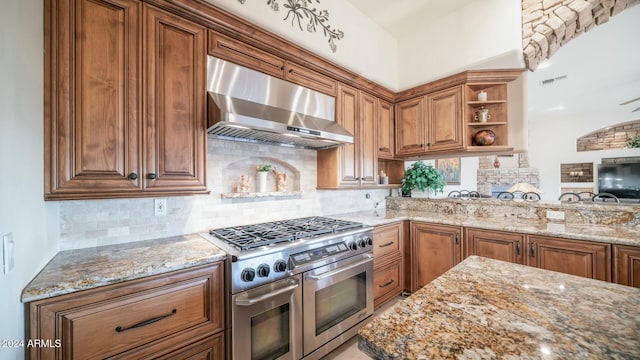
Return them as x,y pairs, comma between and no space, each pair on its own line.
600,66
392,15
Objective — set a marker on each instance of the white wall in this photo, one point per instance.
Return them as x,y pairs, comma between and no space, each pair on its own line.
482,34
366,48
23,212
468,175
602,72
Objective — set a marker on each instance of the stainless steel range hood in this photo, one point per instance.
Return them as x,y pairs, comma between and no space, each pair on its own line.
247,105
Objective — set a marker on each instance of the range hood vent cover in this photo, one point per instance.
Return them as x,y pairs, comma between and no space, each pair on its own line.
250,106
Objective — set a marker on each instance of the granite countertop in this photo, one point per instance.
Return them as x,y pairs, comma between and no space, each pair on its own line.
82,269
614,234
487,309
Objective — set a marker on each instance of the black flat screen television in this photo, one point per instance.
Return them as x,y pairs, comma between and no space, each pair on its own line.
621,180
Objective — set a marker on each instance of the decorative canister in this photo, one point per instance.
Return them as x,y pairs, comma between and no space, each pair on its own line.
484,137
482,95
482,115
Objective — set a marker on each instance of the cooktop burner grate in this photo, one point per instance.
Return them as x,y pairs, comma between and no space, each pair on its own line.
253,236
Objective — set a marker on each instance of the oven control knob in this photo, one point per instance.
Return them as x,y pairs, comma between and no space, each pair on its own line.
353,245
280,266
263,270
362,242
368,240
248,274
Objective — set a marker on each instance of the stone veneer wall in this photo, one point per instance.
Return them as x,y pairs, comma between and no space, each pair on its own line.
489,176
549,24
575,213
88,223
614,137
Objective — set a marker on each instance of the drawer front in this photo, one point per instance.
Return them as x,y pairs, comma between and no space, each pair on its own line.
386,240
121,324
211,348
386,282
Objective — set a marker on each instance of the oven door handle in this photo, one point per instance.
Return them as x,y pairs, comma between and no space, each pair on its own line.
252,301
339,270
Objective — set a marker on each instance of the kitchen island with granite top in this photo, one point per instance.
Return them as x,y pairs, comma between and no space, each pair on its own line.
485,309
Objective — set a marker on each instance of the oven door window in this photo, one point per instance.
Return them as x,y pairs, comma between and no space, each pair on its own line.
270,333
340,301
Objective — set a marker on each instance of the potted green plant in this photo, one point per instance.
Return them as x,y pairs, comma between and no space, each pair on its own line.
633,142
420,176
262,171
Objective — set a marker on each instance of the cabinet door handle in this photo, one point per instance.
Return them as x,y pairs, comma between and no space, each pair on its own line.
421,145
532,249
386,284
518,247
290,71
133,176
146,322
152,176
387,244
457,238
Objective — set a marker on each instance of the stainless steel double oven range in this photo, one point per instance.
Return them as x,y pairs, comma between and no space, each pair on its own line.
298,288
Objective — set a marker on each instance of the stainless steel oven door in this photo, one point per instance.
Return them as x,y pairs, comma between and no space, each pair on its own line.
336,297
267,321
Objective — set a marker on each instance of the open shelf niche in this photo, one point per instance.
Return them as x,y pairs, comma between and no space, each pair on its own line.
232,173
496,103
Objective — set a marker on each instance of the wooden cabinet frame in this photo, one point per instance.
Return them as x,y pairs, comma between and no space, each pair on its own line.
49,318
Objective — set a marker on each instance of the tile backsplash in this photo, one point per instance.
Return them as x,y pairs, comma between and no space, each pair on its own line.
88,223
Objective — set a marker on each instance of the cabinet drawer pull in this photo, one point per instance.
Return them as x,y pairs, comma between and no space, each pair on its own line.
532,249
387,244
146,322
518,247
386,284
457,238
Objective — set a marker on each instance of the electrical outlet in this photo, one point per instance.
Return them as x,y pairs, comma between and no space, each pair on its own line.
160,207
7,253
555,215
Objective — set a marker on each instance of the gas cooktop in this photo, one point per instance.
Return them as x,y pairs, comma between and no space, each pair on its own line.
252,236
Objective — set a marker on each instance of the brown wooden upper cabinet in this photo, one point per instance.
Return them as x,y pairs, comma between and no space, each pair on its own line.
410,127
434,250
430,123
351,165
575,257
229,49
99,143
386,130
444,119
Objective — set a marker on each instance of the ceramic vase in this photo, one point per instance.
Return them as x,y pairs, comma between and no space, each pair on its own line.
261,182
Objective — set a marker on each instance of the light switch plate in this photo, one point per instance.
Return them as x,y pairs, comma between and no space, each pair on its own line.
160,207
555,215
8,262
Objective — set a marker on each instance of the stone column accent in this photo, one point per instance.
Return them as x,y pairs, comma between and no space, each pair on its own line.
549,24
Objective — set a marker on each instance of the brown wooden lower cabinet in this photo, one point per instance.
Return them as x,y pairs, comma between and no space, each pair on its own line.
575,257
626,265
497,245
388,264
434,250
176,315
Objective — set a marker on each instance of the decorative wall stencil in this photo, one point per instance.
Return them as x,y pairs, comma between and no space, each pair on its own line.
302,11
